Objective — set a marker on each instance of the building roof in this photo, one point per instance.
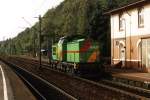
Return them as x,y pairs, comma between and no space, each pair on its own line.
128,6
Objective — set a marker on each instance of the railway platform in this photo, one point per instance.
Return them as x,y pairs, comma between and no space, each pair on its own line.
131,77
11,86
145,77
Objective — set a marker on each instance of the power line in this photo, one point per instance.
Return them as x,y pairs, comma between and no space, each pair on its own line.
44,1
40,6
35,29
27,22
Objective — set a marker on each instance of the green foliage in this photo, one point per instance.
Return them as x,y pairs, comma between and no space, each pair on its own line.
71,17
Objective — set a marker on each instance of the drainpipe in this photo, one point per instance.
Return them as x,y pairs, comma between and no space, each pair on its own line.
125,45
125,39
130,35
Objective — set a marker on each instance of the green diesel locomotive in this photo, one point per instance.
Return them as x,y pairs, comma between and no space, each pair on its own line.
79,56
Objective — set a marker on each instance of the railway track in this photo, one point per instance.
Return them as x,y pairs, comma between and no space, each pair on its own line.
129,88
42,89
80,88
136,90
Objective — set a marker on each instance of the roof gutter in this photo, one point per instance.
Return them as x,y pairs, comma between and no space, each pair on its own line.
128,6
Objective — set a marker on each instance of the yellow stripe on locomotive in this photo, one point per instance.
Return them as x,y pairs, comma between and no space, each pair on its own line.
76,51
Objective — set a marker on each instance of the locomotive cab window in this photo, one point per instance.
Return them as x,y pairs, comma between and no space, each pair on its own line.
54,50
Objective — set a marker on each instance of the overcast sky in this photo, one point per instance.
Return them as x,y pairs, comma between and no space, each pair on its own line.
13,11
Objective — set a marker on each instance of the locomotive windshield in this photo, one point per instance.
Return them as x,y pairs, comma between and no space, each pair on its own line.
62,40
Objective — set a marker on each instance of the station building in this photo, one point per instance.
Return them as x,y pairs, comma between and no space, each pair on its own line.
130,35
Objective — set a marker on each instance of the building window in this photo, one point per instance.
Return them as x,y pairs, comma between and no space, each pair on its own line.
141,17
121,26
117,43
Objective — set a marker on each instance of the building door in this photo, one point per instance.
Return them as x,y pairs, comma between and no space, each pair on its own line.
146,53
122,54
139,54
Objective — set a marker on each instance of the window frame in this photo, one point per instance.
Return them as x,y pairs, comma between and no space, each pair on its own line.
54,50
140,17
121,28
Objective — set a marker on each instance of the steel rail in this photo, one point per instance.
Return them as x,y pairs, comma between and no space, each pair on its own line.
21,72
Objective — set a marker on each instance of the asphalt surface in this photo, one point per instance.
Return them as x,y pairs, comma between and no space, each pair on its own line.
15,89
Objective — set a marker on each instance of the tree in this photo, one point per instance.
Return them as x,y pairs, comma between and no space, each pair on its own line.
70,18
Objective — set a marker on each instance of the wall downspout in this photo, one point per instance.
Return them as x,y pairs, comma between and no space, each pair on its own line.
130,37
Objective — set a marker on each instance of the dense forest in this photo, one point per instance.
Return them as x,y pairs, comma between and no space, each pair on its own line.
71,17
